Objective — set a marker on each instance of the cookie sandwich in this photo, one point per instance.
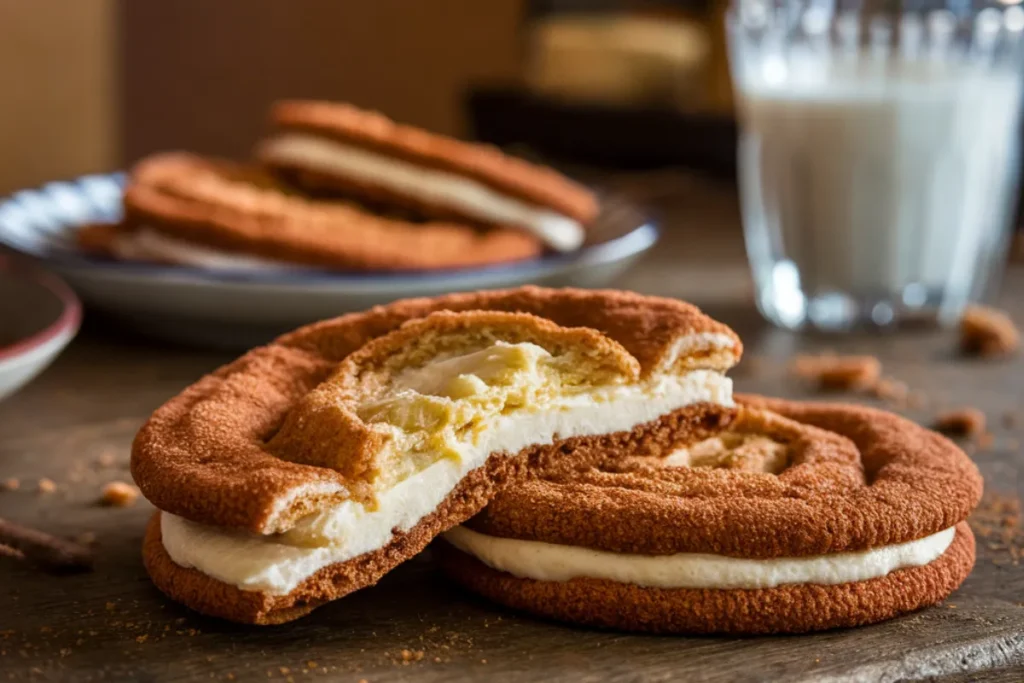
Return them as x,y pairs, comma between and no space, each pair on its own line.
338,148
310,467
188,210
798,517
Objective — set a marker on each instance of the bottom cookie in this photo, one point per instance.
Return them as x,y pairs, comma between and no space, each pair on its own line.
794,608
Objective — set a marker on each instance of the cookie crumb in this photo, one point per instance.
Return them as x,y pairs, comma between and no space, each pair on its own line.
838,373
892,390
106,459
987,332
961,422
46,486
11,484
119,494
86,538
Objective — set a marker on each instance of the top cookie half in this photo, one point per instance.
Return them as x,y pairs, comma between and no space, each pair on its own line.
345,409
328,147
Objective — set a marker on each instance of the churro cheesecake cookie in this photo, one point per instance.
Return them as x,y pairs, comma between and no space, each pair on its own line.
188,210
310,467
799,517
324,146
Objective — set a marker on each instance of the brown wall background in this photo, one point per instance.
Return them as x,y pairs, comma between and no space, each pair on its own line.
90,85
199,74
59,107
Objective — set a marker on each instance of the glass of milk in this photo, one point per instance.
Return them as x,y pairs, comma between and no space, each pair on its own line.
878,155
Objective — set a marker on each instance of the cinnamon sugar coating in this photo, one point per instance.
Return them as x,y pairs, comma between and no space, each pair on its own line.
857,478
243,210
796,608
204,454
374,131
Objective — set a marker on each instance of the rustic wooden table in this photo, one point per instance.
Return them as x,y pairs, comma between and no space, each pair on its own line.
112,624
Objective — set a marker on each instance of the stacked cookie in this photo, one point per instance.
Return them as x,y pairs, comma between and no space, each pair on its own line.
340,188
581,455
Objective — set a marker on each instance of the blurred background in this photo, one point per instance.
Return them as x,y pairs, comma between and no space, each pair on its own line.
100,83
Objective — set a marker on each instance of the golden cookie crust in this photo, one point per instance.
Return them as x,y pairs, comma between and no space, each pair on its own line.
210,596
243,210
204,455
371,130
794,608
859,478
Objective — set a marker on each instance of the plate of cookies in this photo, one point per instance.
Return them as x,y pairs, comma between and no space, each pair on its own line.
339,210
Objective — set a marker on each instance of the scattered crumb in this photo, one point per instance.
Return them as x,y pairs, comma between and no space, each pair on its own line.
997,523
311,664
86,538
141,639
11,484
916,400
838,373
892,390
106,459
961,422
412,655
46,486
119,494
284,670
987,332
986,441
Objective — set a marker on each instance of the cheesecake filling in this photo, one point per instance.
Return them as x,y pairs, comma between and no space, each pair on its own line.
553,562
445,420
430,186
147,244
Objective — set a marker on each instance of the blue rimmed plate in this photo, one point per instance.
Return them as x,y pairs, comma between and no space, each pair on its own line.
231,308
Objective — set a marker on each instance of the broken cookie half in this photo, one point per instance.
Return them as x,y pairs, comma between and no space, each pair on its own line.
309,468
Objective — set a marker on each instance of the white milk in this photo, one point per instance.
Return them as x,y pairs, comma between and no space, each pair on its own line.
892,180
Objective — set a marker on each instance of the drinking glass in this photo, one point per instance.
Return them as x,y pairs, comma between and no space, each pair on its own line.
878,155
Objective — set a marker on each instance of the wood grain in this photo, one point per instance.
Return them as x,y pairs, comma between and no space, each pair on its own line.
113,625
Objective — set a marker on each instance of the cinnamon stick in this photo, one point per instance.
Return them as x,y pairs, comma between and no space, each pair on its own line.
40,548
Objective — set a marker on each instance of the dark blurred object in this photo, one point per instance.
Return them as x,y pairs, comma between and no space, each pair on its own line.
629,52
620,84
604,135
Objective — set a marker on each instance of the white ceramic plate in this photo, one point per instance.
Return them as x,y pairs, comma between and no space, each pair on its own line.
227,308
39,315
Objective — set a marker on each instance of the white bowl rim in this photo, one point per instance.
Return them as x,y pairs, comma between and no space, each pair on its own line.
66,323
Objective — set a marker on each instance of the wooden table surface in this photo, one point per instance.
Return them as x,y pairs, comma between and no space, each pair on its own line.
111,624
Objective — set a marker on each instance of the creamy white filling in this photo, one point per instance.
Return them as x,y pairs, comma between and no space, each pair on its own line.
146,244
276,564
432,186
553,562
